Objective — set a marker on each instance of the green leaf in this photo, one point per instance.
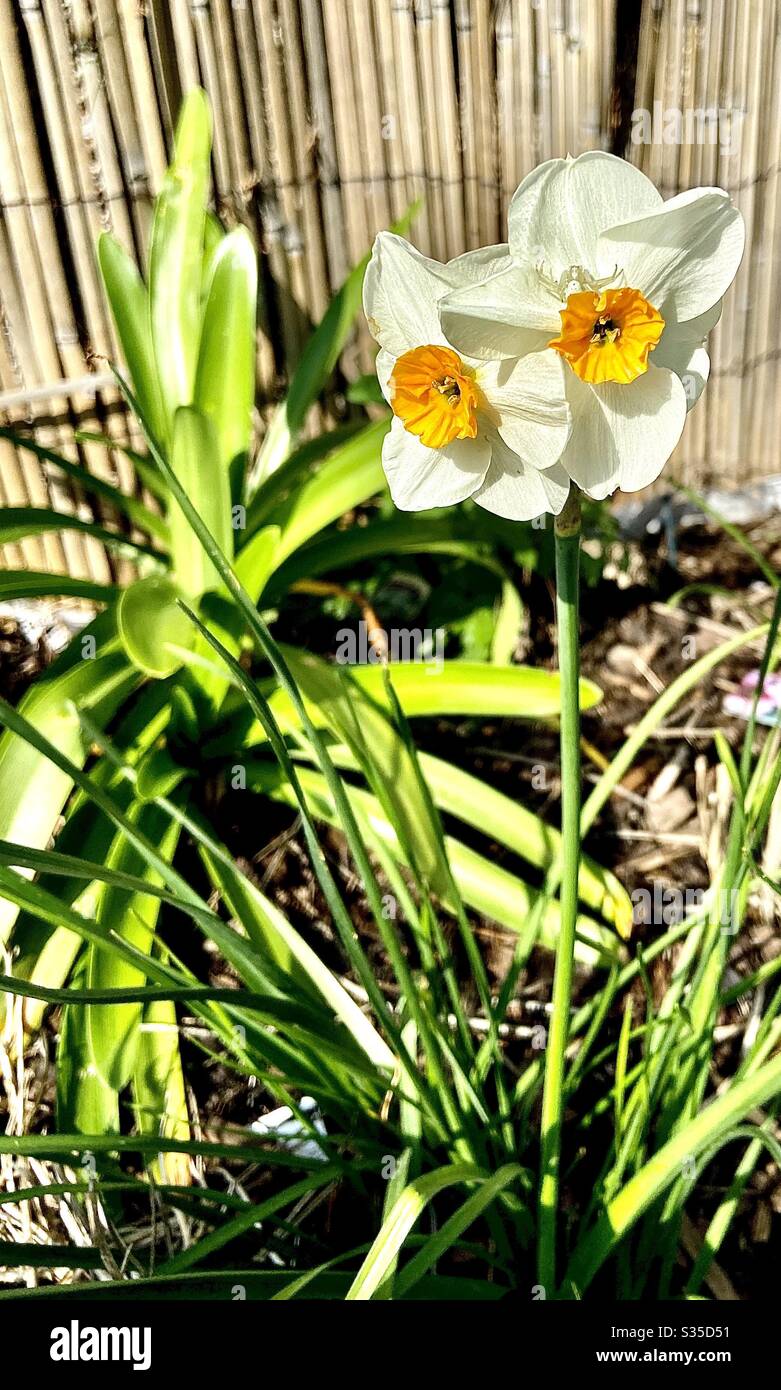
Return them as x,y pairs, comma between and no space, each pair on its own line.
508,822
40,584
379,751
463,688
484,886
153,628
130,507
351,475
225,377
475,688
159,1093
113,1033
255,562
176,255
85,1101
195,459
455,1226
666,1166
127,295
32,790
404,1214
301,464
509,619
18,523
270,931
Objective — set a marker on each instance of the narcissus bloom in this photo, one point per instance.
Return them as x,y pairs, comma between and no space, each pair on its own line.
624,288
463,427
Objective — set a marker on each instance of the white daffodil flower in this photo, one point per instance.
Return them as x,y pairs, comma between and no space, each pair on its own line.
624,287
492,430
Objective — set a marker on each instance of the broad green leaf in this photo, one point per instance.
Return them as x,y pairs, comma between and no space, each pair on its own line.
195,459
510,823
255,562
154,630
463,688
113,1033
94,672
351,475
127,295
301,464
474,688
225,376
159,1095
85,1102
176,255
456,688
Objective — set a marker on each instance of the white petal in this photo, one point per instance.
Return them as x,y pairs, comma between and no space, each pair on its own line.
528,397
475,266
384,364
681,348
420,478
683,257
508,315
514,490
561,207
622,436
401,290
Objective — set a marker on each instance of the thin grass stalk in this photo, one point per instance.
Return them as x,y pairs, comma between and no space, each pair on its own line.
567,542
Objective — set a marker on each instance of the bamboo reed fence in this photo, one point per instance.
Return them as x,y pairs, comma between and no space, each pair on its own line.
331,117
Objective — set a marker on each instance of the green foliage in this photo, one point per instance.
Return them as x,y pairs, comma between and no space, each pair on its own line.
117,889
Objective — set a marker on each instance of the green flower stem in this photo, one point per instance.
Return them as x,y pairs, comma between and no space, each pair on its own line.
567,529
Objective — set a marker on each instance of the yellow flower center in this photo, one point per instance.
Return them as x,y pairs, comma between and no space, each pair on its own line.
435,395
607,336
